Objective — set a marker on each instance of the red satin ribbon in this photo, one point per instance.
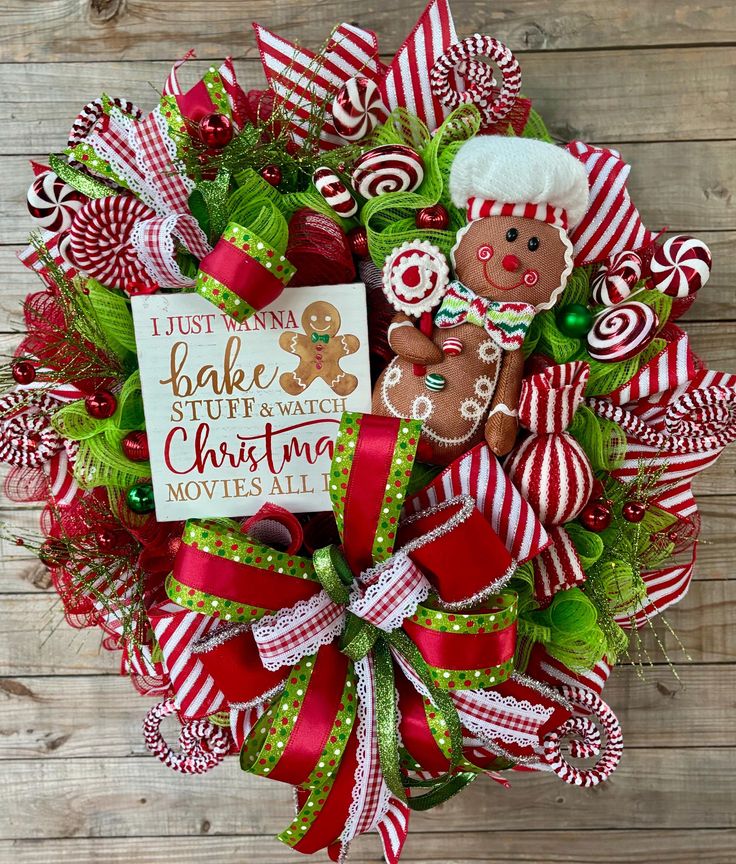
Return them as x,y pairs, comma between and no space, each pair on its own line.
316,716
331,820
415,732
364,498
243,275
240,582
195,103
237,669
463,650
460,563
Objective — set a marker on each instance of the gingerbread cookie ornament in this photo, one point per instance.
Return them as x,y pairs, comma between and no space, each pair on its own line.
511,260
320,350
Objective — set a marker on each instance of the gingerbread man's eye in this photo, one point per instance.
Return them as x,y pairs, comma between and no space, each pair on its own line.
512,234
533,244
313,318
328,317
484,253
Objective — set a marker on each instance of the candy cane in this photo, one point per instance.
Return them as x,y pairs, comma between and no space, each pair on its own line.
203,745
493,105
590,743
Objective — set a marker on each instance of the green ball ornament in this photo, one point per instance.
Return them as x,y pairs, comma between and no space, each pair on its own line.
140,498
575,320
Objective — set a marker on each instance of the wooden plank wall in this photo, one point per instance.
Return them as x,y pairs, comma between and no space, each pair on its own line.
657,79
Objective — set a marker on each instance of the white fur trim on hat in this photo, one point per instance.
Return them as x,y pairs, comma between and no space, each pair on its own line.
519,171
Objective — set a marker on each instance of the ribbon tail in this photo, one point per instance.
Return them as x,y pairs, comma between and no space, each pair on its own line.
371,794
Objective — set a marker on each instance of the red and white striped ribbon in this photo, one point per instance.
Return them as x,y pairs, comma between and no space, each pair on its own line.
407,81
177,631
665,587
611,223
300,79
557,567
479,474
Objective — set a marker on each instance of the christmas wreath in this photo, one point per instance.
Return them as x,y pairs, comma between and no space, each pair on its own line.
503,514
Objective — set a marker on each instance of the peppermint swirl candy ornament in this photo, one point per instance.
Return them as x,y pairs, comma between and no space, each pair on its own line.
415,277
101,240
493,105
681,266
616,278
388,168
622,332
335,192
357,108
52,203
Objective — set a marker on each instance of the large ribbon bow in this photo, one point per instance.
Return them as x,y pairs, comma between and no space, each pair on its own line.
366,673
505,322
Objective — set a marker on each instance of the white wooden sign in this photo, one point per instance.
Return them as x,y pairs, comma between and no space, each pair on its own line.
238,414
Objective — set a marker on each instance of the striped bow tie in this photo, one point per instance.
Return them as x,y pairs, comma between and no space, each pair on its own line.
505,322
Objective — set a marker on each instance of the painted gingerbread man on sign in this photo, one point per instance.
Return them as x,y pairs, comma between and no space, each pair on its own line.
320,351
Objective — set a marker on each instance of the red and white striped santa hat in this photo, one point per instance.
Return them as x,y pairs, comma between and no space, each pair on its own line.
499,175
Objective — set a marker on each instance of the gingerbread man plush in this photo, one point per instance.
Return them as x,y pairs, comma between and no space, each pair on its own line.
319,350
511,260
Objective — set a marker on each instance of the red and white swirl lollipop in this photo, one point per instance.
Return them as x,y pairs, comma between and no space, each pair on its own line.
388,168
681,266
101,240
622,332
415,277
493,105
616,278
335,192
53,203
357,108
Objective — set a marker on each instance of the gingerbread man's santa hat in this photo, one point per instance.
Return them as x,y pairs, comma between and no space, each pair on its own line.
499,175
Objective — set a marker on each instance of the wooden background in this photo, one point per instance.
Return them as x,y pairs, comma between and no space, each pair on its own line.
655,78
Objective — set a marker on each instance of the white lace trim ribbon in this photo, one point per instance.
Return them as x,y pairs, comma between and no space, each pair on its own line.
284,638
396,588
371,795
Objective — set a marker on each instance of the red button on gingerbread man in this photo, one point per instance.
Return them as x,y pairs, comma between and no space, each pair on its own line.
319,350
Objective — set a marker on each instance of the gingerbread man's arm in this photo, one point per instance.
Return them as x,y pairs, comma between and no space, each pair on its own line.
411,344
502,425
349,344
292,342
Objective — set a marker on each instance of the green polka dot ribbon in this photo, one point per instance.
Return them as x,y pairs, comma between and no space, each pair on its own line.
488,638
204,543
243,273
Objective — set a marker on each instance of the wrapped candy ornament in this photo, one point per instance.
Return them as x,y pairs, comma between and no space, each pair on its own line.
549,467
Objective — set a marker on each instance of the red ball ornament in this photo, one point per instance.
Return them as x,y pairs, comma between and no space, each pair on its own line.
596,516
24,372
109,540
358,239
434,218
135,446
53,553
633,511
101,404
215,130
271,174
